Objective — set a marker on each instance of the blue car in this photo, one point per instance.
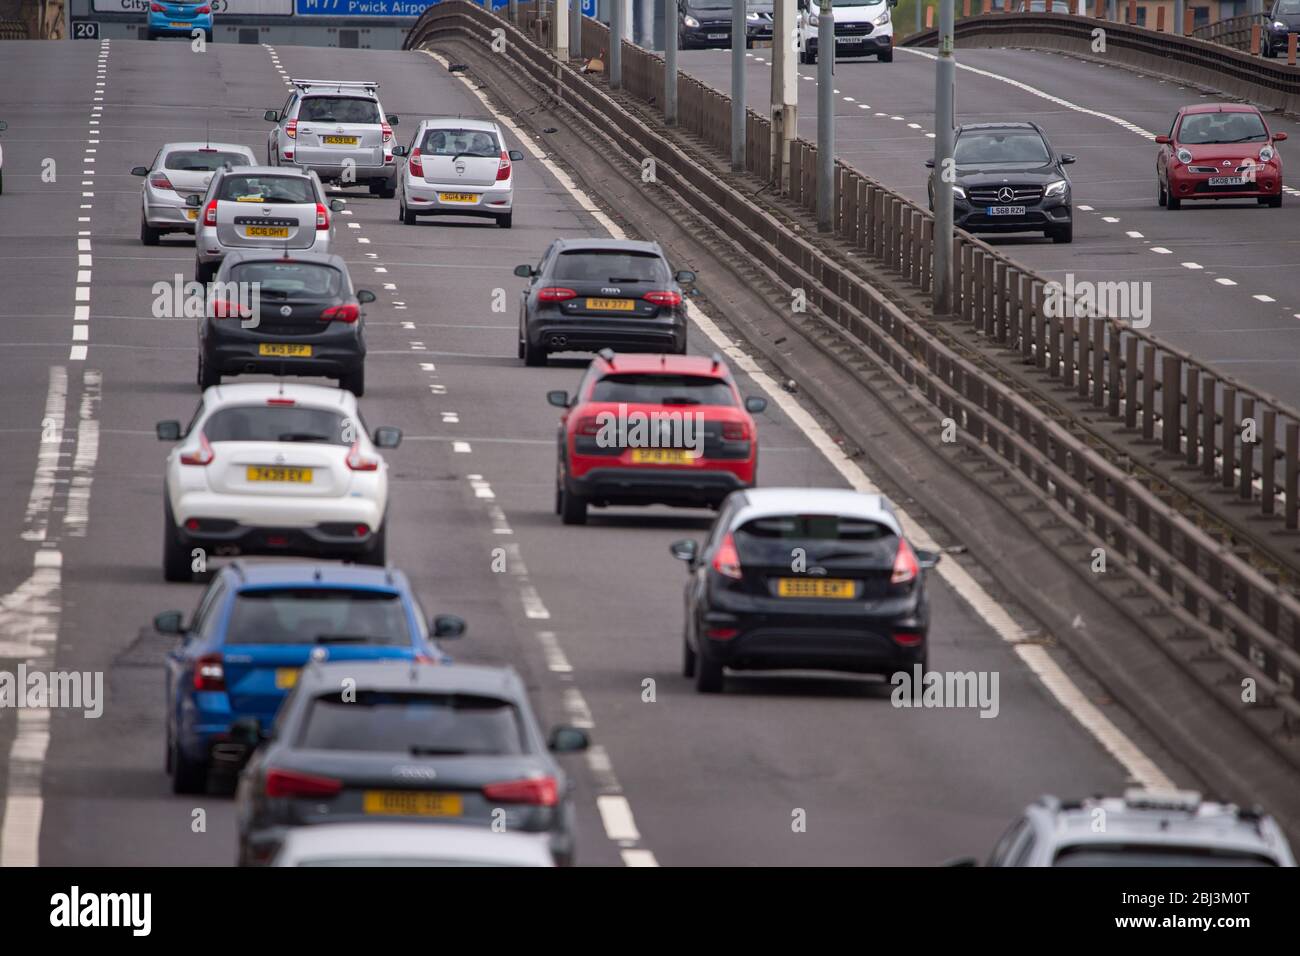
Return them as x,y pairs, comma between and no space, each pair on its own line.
179,19
256,627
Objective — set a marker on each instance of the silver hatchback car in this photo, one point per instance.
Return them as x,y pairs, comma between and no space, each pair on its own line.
260,207
457,167
181,170
337,129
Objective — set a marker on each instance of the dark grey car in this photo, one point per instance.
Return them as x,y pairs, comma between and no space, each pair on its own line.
392,740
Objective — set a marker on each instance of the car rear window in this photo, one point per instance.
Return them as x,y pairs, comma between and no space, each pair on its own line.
1234,127
283,279
318,616
267,189
338,109
202,160
413,724
659,389
1134,854
460,142
772,540
610,265
1000,146
278,424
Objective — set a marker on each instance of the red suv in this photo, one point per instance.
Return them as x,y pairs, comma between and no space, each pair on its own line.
1219,151
653,429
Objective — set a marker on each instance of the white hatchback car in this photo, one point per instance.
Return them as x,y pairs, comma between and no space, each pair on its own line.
181,170
274,468
457,167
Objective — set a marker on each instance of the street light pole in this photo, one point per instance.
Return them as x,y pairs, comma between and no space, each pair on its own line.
670,62
738,86
616,44
944,170
826,117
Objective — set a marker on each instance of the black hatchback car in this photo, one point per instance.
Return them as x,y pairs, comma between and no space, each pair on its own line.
307,319
1283,20
591,294
815,578
398,740
1009,179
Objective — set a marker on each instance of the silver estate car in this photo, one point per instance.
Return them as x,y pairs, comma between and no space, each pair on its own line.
181,170
337,129
260,207
457,167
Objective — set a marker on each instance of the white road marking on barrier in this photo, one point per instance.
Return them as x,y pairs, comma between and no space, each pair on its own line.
1225,281
1161,250
1263,298
1134,234
1192,265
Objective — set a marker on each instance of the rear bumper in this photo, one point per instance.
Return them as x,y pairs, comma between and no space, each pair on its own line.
161,25
855,46
691,488
707,36
161,214
234,351
1185,185
1037,218
422,199
223,536
333,172
555,332
208,249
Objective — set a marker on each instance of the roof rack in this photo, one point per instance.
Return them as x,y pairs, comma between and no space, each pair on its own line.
367,85
1145,799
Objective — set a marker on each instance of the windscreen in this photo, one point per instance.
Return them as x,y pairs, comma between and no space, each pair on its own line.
1131,854
1204,128
202,160
414,724
841,541
610,265
338,109
278,424
267,189
318,616
663,390
460,142
999,146
287,279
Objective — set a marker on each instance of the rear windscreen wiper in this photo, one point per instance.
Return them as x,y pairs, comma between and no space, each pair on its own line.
680,400
417,751
621,279
304,436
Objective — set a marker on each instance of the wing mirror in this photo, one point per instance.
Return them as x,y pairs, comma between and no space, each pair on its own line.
169,622
3,126
337,205
1278,137
1163,140
399,151
392,119
168,431
927,559
559,398
929,164
246,731
386,436
1068,158
271,116
448,626
755,404
684,276
139,170
963,861
192,200
684,550
365,296
516,155
566,740
525,272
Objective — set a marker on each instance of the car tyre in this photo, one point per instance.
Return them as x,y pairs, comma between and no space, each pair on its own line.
533,356
206,377
405,214
708,675
689,658
506,220
1062,234
383,190
208,37
149,235
1172,202
354,382
204,272
885,56
188,776
378,553
2,182
1273,202
1162,197
176,559
573,508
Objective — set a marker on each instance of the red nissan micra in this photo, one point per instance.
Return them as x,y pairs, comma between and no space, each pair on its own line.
1219,151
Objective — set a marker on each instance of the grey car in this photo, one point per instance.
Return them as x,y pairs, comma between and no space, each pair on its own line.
260,207
179,171
390,741
339,130
1144,828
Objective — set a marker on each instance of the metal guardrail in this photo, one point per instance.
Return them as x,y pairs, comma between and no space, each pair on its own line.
13,30
1233,32
1247,619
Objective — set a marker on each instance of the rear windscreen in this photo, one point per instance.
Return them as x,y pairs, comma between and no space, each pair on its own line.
663,390
413,724
1144,856
460,142
278,424
338,109
610,265
318,616
772,540
269,189
202,160
283,279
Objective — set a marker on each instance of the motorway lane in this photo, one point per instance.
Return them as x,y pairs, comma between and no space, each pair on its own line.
1254,248
711,779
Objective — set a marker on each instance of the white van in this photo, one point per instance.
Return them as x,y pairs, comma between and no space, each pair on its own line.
862,28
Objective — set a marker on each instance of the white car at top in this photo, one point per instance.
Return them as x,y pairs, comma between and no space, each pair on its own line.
275,468
862,28
457,167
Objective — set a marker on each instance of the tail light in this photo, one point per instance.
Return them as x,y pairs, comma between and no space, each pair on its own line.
210,213
202,456
503,167
905,566
282,401
204,9
907,638
157,8
348,312
359,462
291,129
414,166
291,783
587,426
160,181
555,294
388,133
209,674
227,309
540,791
727,560
721,633
670,299
735,431
322,217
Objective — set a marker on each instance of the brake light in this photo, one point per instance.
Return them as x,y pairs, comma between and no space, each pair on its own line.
664,298
227,309
210,213
905,566
727,560
322,217
359,462
721,633
348,312
555,294
291,783
414,166
587,425
160,181
735,431
204,9
202,456
291,129
209,674
388,133
908,638
157,8
541,791
290,402
503,167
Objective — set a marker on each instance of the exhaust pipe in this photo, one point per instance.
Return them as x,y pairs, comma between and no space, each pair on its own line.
558,341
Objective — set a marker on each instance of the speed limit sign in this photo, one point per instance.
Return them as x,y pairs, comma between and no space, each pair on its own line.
85,29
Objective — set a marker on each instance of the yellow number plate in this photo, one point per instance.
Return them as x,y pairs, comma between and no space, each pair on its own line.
277,473
191,214
612,305
267,232
277,348
175,24
458,197
662,456
286,677
339,140
814,588
412,803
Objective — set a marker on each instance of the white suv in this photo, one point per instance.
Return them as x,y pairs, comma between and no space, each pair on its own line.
862,28
457,167
271,468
